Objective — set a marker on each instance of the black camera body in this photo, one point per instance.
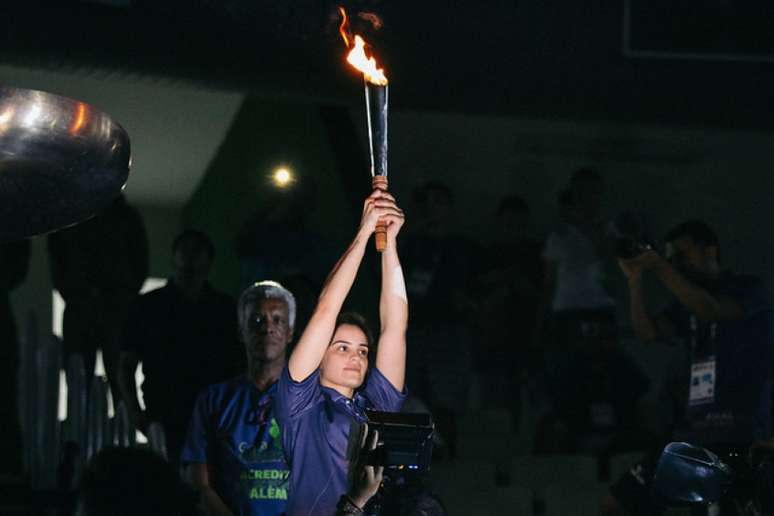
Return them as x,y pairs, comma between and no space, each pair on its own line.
405,441
687,475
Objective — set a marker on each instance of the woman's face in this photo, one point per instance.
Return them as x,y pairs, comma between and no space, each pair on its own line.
346,360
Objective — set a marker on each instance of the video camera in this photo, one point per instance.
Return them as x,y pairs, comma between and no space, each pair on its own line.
404,448
631,235
405,441
689,475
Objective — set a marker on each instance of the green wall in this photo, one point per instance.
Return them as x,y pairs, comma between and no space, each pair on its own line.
238,182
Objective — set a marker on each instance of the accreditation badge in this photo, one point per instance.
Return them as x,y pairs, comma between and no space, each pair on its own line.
703,375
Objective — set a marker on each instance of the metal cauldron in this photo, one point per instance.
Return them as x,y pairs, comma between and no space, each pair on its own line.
61,161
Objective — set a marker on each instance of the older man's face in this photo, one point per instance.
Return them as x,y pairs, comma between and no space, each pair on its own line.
265,330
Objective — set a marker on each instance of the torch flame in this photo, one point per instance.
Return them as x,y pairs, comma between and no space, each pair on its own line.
344,27
357,56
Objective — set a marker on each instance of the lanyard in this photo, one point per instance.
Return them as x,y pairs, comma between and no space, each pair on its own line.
703,372
260,416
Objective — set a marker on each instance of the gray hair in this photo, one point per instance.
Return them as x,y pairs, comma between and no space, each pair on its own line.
267,290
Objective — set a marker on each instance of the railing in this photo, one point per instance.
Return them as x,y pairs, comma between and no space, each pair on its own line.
54,450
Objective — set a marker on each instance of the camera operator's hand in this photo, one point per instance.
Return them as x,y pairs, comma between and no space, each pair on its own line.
367,479
634,267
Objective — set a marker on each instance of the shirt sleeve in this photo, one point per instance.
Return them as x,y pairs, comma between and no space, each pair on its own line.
293,398
198,438
381,393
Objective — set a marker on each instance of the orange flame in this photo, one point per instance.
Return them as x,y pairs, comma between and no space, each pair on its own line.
357,56
344,27
79,118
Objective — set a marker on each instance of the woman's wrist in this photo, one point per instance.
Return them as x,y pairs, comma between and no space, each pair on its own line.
347,506
362,235
358,500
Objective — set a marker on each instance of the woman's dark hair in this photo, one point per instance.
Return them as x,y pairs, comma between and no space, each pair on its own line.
355,319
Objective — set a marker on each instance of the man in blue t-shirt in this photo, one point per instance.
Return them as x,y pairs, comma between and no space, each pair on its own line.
233,452
724,322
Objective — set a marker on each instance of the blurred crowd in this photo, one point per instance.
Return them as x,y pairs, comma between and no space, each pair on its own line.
515,323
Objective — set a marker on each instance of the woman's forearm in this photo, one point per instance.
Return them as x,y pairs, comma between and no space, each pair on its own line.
393,313
309,351
393,301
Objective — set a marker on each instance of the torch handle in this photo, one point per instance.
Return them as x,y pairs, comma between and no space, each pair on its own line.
380,233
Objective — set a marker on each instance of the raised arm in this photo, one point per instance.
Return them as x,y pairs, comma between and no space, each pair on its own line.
309,351
706,306
646,327
393,308
698,300
643,324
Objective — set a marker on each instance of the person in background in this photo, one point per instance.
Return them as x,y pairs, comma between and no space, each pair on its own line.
593,385
98,267
185,335
724,321
440,267
233,452
286,219
507,294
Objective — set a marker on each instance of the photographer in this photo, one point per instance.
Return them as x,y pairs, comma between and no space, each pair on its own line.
723,319
592,383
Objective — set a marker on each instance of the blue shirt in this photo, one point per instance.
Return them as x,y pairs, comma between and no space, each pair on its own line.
234,431
742,351
315,422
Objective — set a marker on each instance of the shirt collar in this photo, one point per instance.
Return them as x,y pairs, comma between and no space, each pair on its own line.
336,397
270,390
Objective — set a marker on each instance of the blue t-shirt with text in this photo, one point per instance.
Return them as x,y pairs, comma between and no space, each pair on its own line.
234,431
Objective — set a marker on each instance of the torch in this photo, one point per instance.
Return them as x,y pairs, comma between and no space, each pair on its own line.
376,99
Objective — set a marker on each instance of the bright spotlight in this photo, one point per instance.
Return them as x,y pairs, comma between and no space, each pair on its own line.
282,177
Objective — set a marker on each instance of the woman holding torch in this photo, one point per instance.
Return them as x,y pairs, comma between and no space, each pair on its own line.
327,383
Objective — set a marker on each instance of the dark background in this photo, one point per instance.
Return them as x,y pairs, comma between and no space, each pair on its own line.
490,97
